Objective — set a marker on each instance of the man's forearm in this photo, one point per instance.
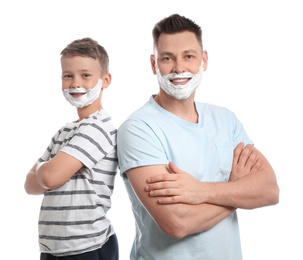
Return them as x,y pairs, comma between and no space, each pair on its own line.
198,218
254,190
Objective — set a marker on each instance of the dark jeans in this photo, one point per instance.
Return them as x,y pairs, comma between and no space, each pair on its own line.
109,251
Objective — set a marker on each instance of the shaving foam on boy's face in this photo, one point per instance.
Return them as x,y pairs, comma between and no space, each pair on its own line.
88,97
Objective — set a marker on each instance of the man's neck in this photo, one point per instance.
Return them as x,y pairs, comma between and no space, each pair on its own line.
185,109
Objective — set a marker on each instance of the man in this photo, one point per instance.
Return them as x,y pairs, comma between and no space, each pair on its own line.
188,213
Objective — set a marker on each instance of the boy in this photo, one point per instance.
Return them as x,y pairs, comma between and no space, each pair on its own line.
76,173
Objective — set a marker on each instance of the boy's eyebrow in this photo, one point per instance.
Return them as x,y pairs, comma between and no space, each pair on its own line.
80,70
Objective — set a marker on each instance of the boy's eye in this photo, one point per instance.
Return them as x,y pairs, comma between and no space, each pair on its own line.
85,75
67,76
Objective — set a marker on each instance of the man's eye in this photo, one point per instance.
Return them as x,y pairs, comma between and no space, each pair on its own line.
166,58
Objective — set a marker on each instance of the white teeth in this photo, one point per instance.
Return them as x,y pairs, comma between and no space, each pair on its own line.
77,92
179,80
80,90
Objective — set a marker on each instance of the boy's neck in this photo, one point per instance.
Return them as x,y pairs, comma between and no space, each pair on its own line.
88,110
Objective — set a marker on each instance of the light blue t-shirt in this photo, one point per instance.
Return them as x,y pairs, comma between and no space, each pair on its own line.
152,135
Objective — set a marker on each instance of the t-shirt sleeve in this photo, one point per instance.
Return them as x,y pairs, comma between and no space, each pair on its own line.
239,133
89,144
138,145
48,153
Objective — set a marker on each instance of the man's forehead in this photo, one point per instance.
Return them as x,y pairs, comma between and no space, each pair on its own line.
179,42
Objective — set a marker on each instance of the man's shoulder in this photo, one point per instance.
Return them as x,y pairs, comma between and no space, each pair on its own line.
140,114
209,107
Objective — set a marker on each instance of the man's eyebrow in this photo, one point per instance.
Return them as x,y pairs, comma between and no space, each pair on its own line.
167,53
190,51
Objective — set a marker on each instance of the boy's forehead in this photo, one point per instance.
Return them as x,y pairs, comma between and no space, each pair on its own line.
80,61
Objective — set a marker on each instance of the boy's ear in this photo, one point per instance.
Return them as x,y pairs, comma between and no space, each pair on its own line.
106,80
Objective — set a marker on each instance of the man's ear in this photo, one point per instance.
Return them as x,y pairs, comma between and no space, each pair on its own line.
205,60
153,63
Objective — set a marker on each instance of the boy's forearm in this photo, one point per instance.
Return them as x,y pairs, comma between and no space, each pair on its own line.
32,185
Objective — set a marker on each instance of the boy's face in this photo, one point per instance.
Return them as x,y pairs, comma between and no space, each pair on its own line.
79,71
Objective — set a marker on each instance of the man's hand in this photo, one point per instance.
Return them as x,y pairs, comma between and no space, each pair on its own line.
181,187
177,187
245,161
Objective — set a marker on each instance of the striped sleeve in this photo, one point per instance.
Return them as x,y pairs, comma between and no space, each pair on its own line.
92,141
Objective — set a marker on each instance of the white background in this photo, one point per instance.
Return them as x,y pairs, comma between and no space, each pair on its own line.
255,69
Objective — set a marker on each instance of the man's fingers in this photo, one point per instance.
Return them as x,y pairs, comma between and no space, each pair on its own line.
257,165
245,154
160,178
164,192
237,153
251,159
172,168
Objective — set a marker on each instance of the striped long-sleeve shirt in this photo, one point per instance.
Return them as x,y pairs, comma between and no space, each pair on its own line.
73,217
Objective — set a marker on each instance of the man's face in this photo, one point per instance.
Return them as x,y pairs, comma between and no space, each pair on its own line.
178,53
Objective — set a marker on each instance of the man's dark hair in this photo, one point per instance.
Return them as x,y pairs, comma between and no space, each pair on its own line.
176,23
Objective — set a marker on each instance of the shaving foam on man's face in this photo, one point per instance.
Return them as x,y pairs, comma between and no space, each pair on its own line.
88,95
180,91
